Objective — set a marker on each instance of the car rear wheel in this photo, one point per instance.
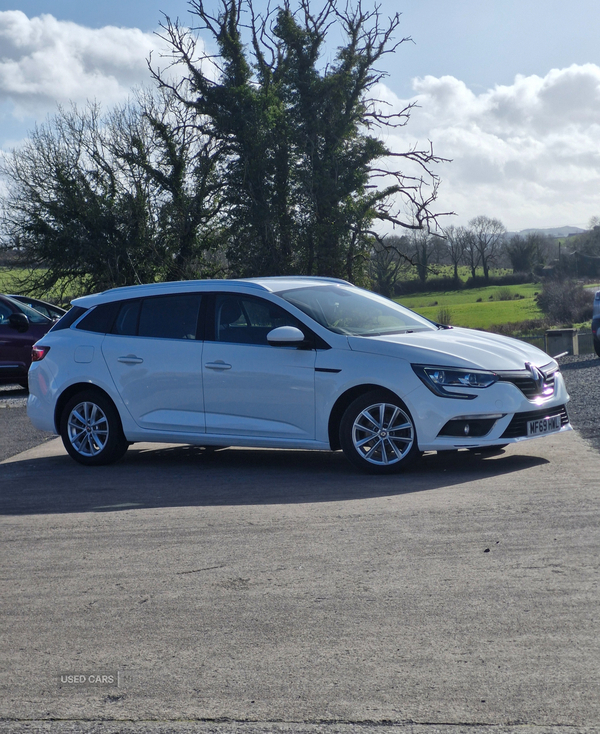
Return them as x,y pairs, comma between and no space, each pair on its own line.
597,346
377,433
91,430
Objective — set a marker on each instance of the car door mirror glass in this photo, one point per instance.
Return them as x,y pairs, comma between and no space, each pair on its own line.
285,336
18,321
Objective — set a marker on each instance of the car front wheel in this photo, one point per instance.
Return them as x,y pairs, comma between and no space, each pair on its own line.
91,430
377,433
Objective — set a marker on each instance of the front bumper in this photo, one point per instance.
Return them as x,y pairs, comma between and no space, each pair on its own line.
502,410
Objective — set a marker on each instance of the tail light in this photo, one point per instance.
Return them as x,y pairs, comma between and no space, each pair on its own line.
38,352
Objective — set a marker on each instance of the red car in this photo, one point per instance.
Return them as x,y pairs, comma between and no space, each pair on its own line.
20,327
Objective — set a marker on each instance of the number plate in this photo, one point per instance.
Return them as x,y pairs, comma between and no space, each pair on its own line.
543,426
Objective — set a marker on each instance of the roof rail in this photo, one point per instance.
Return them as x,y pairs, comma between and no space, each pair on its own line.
183,283
323,278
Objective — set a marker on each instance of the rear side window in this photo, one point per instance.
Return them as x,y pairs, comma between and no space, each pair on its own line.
127,318
101,318
162,317
170,317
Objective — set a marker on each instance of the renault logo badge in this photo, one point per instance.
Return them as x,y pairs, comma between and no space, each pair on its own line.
536,376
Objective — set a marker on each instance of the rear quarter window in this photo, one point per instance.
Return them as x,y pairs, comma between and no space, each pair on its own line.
100,318
69,318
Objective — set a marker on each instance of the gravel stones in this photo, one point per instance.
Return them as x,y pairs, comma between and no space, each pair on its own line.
582,378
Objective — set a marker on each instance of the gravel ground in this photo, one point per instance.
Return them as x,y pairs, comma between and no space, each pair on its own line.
582,376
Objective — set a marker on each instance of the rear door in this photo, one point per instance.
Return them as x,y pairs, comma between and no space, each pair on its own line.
154,355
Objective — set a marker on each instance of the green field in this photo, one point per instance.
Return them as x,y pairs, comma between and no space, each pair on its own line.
8,279
11,278
465,310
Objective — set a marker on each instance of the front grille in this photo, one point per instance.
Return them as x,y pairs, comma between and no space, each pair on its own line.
518,425
528,386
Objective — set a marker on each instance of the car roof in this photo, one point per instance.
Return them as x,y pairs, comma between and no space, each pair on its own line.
268,284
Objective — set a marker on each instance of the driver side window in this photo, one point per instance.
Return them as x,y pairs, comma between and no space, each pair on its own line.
246,320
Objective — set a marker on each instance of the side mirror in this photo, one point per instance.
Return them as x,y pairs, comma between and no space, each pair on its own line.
18,321
285,336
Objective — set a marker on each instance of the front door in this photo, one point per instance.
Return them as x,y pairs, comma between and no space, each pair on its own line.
252,388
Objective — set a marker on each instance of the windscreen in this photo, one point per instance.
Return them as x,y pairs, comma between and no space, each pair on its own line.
354,312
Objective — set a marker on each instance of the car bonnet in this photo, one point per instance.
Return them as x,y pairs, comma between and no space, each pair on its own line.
454,348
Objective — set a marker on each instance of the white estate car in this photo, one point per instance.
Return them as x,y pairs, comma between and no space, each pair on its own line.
286,362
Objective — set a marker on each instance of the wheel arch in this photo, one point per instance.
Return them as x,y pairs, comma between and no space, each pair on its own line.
340,405
73,390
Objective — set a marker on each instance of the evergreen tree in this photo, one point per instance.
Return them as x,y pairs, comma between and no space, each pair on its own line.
300,156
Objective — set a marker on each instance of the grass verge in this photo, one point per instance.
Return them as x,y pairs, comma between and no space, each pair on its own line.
480,308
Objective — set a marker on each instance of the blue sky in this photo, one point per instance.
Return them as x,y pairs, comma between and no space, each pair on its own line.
509,89
481,42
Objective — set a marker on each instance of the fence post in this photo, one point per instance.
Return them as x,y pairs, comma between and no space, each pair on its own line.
561,340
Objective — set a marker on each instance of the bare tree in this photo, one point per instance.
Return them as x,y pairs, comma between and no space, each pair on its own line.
471,252
388,259
456,243
489,236
422,250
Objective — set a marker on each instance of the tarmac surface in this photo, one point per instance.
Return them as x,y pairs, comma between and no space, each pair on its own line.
17,433
279,591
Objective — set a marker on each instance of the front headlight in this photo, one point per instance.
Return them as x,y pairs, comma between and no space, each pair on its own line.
437,379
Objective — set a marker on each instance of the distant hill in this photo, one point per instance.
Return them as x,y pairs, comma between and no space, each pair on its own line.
553,231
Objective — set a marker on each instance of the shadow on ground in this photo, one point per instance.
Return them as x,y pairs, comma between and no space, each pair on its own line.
584,365
180,476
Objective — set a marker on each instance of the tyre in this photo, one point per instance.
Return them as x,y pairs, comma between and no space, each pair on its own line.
91,430
597,346
377,433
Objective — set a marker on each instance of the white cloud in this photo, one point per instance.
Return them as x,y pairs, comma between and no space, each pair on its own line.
44,61
528,153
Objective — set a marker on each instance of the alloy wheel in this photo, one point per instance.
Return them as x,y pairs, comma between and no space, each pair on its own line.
88,429
382,434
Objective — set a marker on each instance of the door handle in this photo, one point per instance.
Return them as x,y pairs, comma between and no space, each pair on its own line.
218,365
130,359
